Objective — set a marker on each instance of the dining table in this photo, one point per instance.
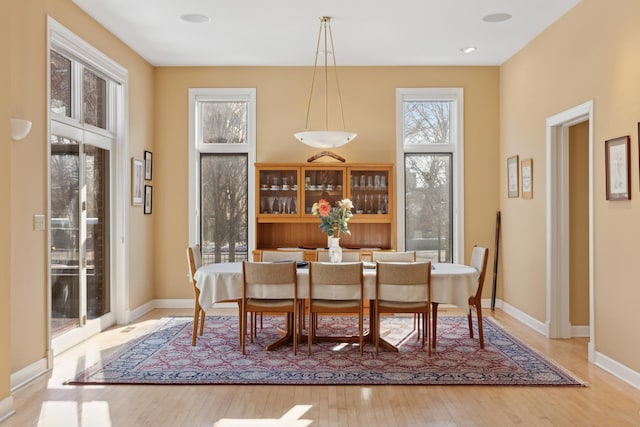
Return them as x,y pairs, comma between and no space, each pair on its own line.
450,284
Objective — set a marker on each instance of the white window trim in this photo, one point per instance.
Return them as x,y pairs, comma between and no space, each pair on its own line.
63,40
456,149
195,148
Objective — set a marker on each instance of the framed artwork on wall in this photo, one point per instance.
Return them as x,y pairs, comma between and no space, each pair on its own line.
526,170
148,190
148,165
617,164
512,177
137,175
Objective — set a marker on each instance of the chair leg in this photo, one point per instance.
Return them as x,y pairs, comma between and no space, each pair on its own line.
240,322
310,332
434,323
202,317
427,323
294,329
480,329
252,316
243,330
470,322
196,318
361,329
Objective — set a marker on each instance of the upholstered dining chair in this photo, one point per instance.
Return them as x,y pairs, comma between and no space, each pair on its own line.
276,255
479,257
335,288
270,287
348,255
403,288
391,256
281,255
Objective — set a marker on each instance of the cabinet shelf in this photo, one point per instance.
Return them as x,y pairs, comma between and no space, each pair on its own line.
284,216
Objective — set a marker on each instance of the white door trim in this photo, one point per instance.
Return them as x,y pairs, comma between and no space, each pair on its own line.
557,126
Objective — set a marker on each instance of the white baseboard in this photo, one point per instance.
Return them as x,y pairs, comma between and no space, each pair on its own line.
173,303
140,311
28,374
523,317
6,408
580,331
617,369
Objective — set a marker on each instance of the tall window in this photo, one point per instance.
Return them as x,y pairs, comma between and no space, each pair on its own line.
222,156
430,169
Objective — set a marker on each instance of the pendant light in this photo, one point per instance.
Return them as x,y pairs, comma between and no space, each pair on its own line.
325,138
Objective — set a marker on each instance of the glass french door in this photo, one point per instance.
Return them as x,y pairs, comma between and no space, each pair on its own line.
80,233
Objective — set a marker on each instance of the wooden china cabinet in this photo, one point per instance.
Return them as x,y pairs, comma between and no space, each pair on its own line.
286,192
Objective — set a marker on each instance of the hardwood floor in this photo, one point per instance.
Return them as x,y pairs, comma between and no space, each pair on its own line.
46,402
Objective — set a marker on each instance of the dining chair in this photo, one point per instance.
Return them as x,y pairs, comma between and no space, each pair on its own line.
403,288
269,287
348,255
479,257
391,256
276,255
281,255
194,260
335,288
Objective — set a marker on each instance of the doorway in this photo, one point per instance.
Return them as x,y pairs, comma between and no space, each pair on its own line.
80,234
558,221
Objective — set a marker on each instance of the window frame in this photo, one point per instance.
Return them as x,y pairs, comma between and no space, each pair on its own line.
455,148
196,147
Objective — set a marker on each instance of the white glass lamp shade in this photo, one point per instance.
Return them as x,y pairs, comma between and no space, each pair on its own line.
20,128
325,138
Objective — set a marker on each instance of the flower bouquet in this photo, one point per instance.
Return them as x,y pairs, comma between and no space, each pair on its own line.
334,220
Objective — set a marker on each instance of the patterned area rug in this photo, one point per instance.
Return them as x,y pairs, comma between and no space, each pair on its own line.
166,356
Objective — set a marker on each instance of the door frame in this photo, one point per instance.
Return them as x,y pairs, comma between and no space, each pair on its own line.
557,279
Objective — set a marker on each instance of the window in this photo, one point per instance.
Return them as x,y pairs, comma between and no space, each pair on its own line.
221,195
430,173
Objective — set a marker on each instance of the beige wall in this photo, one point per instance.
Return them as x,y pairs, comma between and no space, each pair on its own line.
28,174
369,102
589,54
579,224
5,192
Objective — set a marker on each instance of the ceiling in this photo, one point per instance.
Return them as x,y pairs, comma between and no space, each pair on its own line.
365,32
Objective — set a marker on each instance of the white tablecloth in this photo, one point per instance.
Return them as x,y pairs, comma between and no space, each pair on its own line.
450,283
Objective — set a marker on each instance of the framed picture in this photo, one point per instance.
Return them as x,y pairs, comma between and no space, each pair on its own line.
137,173
148,165
617,158
526,170
512,177
148,190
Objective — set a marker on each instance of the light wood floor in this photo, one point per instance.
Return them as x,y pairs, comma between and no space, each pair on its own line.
607,401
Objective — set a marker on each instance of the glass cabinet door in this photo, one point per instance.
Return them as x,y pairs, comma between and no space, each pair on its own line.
369,191
327,184
278,191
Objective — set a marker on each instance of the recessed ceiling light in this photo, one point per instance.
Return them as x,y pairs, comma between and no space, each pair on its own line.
194,18
497,17
468,49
